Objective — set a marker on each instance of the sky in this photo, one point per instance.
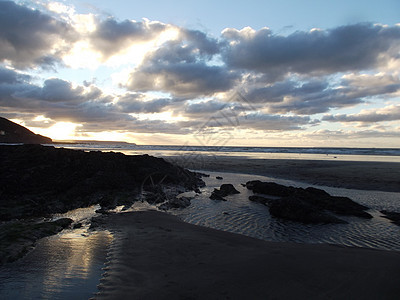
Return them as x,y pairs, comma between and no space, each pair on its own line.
286,73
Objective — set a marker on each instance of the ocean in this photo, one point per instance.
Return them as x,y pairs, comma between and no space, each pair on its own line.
312,153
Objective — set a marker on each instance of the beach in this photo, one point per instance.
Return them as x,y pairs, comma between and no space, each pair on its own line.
362,175
156,256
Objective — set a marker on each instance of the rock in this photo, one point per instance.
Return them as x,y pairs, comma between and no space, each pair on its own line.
392,216
259,199
102,211
310,200
290,208
219,178
269,188
339,205
97,221
225,190
40,180
77,225
202,174
215,196
228,189
181,202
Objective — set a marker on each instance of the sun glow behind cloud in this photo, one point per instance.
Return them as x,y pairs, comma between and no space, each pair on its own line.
59,131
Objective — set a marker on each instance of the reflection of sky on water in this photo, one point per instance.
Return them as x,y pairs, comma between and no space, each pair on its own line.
66,266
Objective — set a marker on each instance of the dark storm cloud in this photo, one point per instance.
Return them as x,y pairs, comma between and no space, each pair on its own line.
112,36
29,37
346,48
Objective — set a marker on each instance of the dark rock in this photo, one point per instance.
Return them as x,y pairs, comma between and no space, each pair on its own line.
215,196
38,180
392,216
102,211
310,199
202,174
155,194
290,208
97,221
181,202
11,132
270,188
259,199
77,225
317,192
228,189
339,205
225,190
219,178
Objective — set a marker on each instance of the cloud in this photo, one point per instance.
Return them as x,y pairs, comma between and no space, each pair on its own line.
111,36
204,107
182,79
181,67
390,113
31,38
268,122
342,49
136,103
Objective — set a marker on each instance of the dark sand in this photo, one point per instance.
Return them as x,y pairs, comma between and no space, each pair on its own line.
156,256
380,176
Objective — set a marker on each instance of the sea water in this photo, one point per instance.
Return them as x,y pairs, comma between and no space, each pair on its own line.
312,153
240,215
68,265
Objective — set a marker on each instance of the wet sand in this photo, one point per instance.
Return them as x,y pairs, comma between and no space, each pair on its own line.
379,176
157,256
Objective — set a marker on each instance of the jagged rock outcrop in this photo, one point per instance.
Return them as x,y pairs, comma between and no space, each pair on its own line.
11,132
226,189
38,180
310,205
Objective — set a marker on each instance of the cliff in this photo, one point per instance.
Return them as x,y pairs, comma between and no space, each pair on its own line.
11,132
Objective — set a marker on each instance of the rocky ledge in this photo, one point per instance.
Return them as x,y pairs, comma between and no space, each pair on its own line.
40,180
310,205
